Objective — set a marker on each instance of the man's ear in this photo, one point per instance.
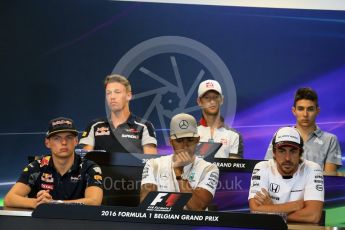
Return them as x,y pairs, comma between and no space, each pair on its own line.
293,110
76,141
129,96
274,152
301,151
47,143
317,110
198,101
221,99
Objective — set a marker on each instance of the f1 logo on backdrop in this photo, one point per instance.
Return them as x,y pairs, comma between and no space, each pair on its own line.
165,201
158,198
169,202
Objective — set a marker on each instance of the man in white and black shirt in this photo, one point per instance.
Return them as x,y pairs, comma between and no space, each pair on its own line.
182,171
287,183
121,131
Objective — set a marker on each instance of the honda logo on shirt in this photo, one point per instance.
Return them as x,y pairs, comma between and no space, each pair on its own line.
274,187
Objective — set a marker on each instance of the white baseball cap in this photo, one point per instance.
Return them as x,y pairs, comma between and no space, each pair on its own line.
209,85
287,136
183,125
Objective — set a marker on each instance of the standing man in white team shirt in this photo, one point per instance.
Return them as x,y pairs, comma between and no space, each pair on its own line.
287,183
211,127
182,171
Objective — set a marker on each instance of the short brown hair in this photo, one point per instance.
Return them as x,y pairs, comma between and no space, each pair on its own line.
306,93
119,79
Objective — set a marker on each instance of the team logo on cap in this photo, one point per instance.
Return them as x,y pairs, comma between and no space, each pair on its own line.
61,122
183,124
209,84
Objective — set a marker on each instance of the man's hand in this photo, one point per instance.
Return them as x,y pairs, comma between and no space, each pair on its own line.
182,158
43,196
263,197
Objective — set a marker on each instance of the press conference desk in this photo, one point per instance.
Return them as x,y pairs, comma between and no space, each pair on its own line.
84,218
122,176
126,169
25,223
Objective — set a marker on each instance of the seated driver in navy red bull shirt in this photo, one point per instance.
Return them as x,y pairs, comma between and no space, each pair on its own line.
62,177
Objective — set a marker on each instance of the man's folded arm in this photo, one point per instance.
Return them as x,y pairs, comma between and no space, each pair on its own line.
17,197
310,213
287,207
93,196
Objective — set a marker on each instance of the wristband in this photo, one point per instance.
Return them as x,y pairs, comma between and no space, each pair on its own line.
184,177
56,202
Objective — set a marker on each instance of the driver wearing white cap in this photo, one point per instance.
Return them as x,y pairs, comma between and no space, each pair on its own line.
182,171
211,126
287,183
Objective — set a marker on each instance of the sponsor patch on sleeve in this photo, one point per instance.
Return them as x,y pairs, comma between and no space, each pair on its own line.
97,177
97,170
